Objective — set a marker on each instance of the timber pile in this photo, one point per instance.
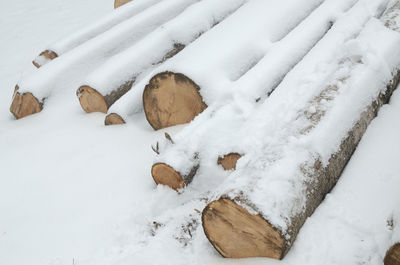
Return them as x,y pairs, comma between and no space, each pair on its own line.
252,86
300,119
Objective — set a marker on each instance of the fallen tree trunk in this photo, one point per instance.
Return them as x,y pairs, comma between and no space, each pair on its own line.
228,61
392,256
118,74
256,84
250,219
86,33
76,64
118,3
24,104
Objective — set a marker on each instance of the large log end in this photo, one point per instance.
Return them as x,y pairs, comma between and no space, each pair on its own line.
118,3
235,233
166,175
113,119
24,104
393,255
228,162
91,100
44,57
171,99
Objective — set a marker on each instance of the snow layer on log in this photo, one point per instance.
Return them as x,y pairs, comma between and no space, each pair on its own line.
81,60
117,16
218,59
221,119
124,68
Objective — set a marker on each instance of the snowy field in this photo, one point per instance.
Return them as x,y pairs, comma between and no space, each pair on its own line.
75,192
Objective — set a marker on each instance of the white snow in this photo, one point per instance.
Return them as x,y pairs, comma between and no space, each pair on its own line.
75,192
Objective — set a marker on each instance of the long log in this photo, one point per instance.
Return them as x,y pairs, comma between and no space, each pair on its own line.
117,75
247,221
392,256
72,67
258,83
227,61
84,34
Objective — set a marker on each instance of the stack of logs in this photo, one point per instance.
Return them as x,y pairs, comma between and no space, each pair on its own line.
173,92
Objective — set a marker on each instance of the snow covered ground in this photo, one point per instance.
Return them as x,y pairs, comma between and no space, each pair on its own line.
75,192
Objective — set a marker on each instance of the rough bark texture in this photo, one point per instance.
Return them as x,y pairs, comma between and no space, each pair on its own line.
24,104
49,55
166,175
228,162
321,181
392,256
171,99
118,3
113,119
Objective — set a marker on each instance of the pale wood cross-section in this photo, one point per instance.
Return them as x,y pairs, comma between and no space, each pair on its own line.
24,104
118,3
392,256
228,162
48,55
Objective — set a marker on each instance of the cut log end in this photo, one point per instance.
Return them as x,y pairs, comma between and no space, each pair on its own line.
118,3
235,233
24,104
171,99
228,162
46,55
166,175
113,119
393,255
91,100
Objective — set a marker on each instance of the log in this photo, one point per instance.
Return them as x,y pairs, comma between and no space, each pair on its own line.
234,55
24,104
259,82
75,65
89,32
118,74
166,175
113,119
169,93
242,223
228,162
392,256
118,3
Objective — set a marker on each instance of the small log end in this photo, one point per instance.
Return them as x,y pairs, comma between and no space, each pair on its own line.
24,104
113,119
44,57
166,175
118,3
91,100
235,233
392,256
171,99
228,162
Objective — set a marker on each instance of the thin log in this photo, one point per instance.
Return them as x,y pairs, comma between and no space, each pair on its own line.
171,93
392,256
118,3
113,119
166,175
228,162
44,57
24,104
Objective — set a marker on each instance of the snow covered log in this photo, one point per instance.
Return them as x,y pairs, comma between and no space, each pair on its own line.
118,3
86,33
392,256
191,81
73,66
262,207
254,86
170,177
118,74
228,162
